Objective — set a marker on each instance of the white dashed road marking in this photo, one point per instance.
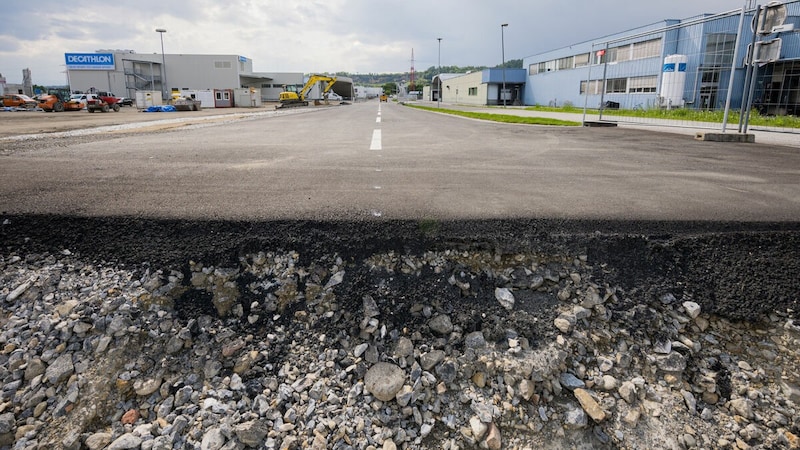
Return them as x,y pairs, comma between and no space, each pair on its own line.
376,140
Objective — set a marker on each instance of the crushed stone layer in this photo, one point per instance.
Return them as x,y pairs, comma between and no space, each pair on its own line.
128,333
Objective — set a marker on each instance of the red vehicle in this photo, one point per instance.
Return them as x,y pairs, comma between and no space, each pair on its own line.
99,102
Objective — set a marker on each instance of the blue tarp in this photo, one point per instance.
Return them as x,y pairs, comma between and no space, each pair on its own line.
164,108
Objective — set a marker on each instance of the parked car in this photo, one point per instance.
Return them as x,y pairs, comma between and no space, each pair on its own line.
125,101
76,101
18,101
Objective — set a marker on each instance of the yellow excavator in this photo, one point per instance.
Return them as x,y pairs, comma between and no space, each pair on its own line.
291,99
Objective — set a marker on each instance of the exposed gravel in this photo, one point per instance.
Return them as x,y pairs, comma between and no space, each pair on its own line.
136,334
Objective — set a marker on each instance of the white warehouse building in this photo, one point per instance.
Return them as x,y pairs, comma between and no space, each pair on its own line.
125,72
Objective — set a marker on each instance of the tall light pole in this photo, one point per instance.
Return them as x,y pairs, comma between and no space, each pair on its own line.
503,45
439,89
164,88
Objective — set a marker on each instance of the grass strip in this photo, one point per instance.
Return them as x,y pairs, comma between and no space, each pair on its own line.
692,115
504,118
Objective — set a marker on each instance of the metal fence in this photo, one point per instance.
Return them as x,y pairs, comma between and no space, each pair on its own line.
702,72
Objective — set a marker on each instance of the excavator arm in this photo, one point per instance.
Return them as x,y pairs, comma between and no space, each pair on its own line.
298,98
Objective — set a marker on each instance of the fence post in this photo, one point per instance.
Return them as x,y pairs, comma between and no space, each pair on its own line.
603,86
733,70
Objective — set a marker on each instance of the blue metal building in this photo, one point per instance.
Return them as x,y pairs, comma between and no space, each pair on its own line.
673,63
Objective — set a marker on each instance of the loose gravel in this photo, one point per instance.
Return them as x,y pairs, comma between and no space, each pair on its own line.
138,334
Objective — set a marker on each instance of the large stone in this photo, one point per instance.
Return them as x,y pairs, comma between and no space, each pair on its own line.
430,359
590,405
504,297
125,442
213,439
60,369
252,433
98,441
475,340
441,324
493,439
7,422
384,380
575,419
570,381
673,363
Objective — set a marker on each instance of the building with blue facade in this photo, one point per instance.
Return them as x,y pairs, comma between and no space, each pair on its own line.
674,64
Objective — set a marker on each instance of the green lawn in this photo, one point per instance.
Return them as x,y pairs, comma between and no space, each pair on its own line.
685,114
506,118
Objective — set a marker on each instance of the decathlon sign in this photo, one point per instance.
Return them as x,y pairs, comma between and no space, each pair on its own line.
89,61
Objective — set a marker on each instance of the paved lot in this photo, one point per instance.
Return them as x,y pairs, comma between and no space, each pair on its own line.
323,163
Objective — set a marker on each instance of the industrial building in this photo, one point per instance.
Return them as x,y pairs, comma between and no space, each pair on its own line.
125,73
485,87
674,63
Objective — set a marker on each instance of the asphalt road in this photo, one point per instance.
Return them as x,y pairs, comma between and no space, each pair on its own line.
384,160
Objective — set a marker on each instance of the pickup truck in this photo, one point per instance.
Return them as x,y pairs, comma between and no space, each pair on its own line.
99,102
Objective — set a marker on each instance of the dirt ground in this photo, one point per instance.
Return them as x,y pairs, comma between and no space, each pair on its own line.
14,123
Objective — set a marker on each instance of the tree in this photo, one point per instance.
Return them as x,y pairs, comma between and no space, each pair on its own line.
390,88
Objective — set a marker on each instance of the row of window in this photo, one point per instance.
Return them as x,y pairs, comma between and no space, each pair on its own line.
632,85
627,52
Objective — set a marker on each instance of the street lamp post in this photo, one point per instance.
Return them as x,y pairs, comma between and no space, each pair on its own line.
439,89
503,46
164,88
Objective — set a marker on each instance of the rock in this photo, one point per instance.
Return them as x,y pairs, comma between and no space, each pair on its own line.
575,419
590,405
564,322
336,279
493,439
60,369
504,297
430,359
7,422
404,347
627,391
526,389
213,439
126,441
441,324
742,407
570,381
692,309
475,340
478,428
672,363
146,387
252,433
98,441
384,380
389,444
130,417
35,368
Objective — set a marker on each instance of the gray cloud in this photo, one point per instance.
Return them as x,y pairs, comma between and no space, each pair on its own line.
337,35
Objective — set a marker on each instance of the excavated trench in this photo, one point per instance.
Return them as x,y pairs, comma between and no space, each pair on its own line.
323,282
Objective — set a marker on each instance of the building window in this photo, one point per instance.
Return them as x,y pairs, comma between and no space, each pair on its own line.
533,69
222,64
616,86
594,87
646,49
473,91
640,85
543,67
582,60
719,50
565,63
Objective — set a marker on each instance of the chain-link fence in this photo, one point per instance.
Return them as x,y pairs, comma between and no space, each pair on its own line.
701,72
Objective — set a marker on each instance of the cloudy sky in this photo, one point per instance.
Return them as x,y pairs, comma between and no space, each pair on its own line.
357,36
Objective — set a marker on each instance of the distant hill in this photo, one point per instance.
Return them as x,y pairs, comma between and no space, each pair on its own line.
421,77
